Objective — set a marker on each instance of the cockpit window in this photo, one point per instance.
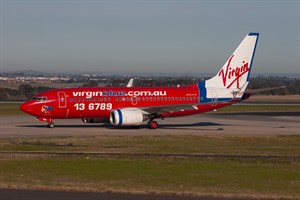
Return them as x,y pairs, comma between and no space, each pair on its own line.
39,98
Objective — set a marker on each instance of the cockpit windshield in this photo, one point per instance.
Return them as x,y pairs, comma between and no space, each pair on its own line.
39,98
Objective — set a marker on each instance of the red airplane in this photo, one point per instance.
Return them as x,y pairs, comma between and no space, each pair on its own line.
131,106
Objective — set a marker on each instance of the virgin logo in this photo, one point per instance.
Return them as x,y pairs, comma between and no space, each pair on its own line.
232,75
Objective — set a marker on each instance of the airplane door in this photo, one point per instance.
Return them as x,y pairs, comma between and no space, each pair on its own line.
62,102
134,100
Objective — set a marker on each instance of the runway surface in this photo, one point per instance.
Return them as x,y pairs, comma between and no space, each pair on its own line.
257,123
50,195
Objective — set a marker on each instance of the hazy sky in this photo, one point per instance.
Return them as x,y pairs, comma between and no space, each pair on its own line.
146,36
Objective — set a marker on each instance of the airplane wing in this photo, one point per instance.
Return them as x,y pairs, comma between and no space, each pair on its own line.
168,108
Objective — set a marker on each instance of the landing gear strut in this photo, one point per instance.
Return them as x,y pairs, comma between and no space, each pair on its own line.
50,125
152,124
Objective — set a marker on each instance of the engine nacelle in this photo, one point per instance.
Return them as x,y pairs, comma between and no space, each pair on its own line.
94,120
127,117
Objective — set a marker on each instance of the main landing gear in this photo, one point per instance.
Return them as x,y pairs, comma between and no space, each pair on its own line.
50,125
152,124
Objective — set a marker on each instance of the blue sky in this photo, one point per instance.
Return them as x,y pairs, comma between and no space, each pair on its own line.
158,37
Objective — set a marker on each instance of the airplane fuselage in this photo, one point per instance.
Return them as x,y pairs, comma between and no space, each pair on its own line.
131,106
98,102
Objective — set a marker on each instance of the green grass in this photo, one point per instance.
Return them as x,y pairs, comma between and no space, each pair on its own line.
210,144
10,109
255,176
217,176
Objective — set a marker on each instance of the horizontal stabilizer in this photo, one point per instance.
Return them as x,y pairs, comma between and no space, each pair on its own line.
263,89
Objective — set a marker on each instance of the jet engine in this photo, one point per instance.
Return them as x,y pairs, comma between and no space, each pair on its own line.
127,117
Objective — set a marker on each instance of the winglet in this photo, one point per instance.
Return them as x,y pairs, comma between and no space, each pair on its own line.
130,83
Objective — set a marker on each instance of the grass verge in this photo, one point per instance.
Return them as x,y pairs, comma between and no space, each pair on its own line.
221,176
194,176
284,145
10,109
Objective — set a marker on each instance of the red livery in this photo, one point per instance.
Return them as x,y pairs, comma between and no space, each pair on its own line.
131,106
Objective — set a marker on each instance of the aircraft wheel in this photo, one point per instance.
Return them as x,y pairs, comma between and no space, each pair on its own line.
152,124
51,125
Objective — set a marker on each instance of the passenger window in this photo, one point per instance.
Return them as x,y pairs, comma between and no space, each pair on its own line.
150,98
172,98
108,99
71,99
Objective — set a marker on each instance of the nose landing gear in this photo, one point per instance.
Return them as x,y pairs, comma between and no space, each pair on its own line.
49,120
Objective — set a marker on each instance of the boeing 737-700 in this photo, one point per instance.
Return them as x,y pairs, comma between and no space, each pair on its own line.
131,106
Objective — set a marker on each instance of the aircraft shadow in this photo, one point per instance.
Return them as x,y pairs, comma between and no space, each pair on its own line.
64,126
193,126
108,126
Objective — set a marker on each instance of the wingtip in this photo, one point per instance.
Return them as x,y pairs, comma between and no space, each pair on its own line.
253,34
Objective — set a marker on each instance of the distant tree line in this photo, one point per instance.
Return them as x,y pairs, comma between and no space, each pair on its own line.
26,91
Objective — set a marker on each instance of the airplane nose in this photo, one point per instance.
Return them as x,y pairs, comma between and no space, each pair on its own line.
25,107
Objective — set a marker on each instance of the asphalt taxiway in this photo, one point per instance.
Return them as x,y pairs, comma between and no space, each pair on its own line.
58,195
256,123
